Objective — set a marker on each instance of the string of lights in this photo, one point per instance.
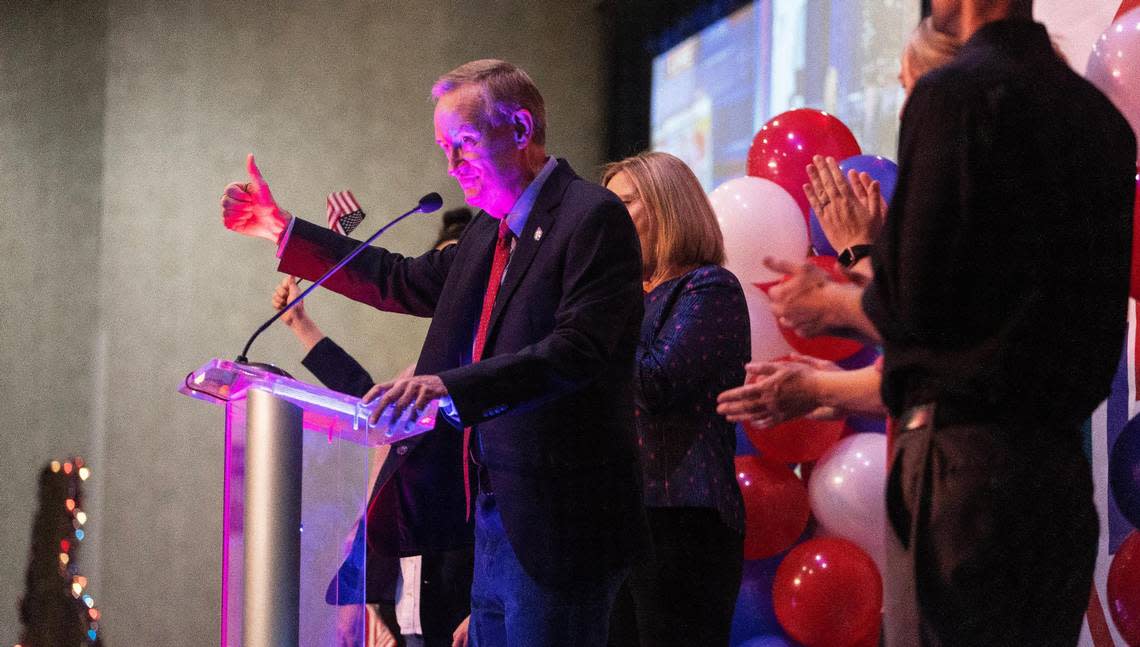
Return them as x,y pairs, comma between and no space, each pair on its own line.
57,607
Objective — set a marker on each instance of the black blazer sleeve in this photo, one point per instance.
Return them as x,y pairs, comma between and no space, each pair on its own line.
382,279
336,369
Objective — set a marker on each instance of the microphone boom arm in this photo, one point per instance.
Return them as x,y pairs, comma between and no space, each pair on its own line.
428,204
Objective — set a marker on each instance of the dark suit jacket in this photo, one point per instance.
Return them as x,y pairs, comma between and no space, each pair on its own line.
445,575
552,399
1007,243
695,341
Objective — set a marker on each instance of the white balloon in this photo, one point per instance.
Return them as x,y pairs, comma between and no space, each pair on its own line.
767,342
758,218
1114,66
847,492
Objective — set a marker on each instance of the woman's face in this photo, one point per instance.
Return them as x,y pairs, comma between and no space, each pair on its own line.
624,188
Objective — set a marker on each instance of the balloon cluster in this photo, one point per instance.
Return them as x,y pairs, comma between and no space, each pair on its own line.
1123,585
1114,67
826,589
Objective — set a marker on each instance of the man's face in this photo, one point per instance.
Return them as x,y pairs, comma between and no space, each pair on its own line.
487,161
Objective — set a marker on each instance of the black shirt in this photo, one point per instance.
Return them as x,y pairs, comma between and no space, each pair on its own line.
1001,277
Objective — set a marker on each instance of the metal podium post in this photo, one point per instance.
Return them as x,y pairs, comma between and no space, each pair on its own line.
272,556
270,596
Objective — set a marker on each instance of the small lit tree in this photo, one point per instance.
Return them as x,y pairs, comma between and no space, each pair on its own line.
57,610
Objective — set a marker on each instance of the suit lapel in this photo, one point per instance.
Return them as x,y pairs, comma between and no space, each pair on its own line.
541,218
483,233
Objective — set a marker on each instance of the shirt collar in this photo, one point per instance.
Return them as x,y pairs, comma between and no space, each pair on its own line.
516,218
1023,37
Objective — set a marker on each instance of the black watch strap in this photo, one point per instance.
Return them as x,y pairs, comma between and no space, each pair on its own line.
853,255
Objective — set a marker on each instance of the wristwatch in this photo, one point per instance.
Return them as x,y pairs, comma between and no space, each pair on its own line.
853,254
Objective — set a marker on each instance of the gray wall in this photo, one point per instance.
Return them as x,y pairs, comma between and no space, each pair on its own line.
52,73
121,122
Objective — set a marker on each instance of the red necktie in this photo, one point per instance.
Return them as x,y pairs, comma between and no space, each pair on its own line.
498,265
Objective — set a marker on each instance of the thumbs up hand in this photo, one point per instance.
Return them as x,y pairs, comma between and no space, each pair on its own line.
249,208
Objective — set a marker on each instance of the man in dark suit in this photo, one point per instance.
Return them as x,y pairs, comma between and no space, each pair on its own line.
1001,280
535,316
419,597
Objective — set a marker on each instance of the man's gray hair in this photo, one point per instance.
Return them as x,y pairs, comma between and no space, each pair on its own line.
505,88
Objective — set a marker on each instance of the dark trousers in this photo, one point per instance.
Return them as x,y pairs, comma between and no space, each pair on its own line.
992,538
509,608
684,593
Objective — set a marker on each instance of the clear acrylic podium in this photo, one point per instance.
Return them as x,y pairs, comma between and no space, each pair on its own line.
297,474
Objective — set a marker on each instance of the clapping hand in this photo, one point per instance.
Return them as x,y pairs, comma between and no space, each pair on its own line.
801,302
852,211
774,392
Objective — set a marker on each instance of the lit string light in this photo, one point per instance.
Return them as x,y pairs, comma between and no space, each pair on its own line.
75,469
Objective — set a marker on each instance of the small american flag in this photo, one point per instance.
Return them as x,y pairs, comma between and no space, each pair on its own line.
344,212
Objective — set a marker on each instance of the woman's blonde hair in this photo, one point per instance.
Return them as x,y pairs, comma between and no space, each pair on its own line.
685,230
928,48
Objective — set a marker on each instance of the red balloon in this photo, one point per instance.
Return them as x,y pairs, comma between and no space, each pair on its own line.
825,346
775,506
795,441
1134,292
871,638
1123,588
1125,7
827,592
784,146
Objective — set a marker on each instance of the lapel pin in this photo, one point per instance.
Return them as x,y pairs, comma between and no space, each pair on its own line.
538,234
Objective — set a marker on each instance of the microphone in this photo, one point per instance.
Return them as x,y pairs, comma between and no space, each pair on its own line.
427,204
430,202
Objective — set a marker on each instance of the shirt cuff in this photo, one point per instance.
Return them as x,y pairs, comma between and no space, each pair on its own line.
284,239
449,411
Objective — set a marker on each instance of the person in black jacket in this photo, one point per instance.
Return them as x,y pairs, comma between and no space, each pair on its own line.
421,598
1000,287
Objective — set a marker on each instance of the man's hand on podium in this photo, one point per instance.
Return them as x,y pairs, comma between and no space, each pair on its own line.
416,391
249,208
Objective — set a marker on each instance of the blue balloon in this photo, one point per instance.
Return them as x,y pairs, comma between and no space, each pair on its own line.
744,447
1124,471
755,615
867,424
863,358
879,168
767,641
